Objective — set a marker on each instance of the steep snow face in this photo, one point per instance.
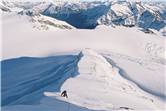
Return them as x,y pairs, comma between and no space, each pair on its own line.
28,77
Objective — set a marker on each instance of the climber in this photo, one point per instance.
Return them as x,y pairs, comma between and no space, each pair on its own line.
64,94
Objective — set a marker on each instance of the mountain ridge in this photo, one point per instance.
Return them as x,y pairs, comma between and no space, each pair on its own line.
88,15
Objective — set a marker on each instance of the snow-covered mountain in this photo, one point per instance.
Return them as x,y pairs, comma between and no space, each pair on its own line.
142,14
130,55
89,15
110,68
146,15
35,20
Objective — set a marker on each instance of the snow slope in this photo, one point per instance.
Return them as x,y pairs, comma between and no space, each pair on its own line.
38,21
145,73
100,86
104,38
28,77
95,84
125,71
143,47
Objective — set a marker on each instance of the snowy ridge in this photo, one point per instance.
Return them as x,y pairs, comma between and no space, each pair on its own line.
99,82
94,84
110,68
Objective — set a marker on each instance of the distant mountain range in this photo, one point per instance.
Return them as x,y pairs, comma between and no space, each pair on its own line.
148,16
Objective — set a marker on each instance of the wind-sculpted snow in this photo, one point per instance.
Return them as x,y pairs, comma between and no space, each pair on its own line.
153,70
24,79
91,81
119,68
100,86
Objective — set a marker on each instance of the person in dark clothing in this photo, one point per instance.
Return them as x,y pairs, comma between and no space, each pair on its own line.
64,94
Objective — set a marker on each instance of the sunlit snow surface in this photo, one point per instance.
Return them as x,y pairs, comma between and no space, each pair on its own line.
94,84
104,69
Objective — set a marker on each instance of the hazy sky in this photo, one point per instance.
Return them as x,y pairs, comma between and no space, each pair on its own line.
130,0
81,0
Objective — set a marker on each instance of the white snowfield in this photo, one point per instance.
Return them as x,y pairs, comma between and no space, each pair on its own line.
96,86
118,68
99,86
128,41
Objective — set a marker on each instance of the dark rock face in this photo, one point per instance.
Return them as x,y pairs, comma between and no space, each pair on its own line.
81,18
88,16
148,20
